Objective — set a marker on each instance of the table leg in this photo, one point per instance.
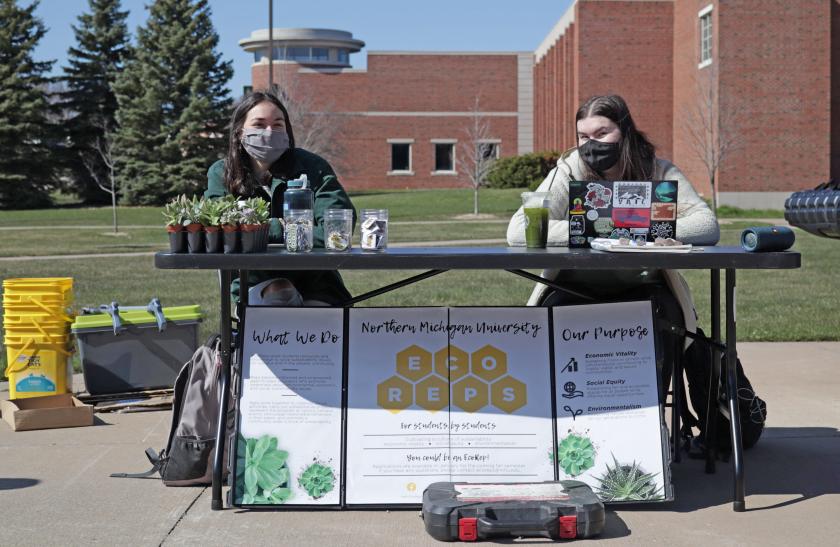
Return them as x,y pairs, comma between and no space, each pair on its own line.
732,392
714,378
221,430
676,395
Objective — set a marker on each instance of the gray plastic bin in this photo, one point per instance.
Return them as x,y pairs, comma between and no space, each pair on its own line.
137,352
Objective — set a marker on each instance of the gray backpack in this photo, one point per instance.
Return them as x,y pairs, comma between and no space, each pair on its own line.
187,459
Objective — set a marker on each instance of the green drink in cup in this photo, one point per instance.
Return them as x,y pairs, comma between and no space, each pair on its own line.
535,206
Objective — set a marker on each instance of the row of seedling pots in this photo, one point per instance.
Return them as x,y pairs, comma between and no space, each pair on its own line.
222,225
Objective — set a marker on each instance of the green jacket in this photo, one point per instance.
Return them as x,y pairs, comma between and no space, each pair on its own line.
326,286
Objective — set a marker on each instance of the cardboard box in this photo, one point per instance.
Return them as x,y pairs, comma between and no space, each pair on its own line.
46,412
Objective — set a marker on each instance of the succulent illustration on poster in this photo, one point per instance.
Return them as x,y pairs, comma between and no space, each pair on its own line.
317,479
627,482
575,454
262,474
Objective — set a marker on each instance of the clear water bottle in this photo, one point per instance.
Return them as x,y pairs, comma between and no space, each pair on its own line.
298,196
298,216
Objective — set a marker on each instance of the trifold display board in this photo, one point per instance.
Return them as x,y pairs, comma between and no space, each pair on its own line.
368,406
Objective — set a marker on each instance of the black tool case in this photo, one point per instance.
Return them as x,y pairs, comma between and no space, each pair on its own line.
474,511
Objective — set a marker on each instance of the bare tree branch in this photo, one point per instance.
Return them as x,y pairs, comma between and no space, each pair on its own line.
711,126
318,131
477,152
102,155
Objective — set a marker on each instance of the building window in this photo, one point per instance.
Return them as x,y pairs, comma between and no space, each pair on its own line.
705,36
297,53
343,56
444,157
489,150
320,54
400,156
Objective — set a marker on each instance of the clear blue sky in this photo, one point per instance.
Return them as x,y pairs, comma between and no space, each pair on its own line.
468,25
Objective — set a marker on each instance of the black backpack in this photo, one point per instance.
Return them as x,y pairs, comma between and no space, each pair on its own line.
697,362
187,459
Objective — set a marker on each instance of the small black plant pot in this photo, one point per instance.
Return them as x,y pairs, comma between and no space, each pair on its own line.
249,241
231,241
213,239
195,242
255,241
178,242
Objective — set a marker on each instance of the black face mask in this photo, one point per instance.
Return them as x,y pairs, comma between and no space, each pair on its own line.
600,156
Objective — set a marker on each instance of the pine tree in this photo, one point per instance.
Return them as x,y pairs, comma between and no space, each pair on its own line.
93,65
173,104
26,172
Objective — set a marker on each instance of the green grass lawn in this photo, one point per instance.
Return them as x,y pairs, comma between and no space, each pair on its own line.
401,204
772,305
57,240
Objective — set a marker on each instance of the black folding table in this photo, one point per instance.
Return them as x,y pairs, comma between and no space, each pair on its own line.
516,260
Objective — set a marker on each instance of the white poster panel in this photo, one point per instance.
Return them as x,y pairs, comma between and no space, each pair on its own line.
500,402
397,399
289,445
609,423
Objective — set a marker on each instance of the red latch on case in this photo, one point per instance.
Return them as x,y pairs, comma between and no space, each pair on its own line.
468,529
568,527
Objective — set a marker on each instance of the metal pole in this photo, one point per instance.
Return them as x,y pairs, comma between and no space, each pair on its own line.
270,44
216,502
732,393
713,400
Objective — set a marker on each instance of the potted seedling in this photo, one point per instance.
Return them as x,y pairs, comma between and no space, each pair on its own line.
254,222
192,222
211,220
229,219
173,214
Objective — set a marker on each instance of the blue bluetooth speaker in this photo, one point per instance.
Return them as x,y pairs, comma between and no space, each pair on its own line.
767,238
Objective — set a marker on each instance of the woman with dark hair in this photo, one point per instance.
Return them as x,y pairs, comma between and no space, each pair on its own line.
261,158
610,147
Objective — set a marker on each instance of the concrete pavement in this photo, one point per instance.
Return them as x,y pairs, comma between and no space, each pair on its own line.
55,489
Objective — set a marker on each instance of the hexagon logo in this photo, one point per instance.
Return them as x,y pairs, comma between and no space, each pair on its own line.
488,363
470,394
452,363
432,393
394,394
508,394
414,363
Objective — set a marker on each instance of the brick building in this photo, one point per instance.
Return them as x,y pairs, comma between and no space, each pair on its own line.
762,74
403,120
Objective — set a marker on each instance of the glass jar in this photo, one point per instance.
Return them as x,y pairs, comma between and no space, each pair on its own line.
299,223
338,229
374,230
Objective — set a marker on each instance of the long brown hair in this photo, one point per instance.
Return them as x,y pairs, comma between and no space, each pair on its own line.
638,154
239,178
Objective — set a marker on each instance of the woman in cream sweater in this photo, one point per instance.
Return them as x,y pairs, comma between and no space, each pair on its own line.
611,148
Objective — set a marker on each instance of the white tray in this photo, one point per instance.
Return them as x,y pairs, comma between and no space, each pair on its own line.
612,246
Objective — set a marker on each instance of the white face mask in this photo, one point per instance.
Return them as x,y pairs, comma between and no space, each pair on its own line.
265,145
